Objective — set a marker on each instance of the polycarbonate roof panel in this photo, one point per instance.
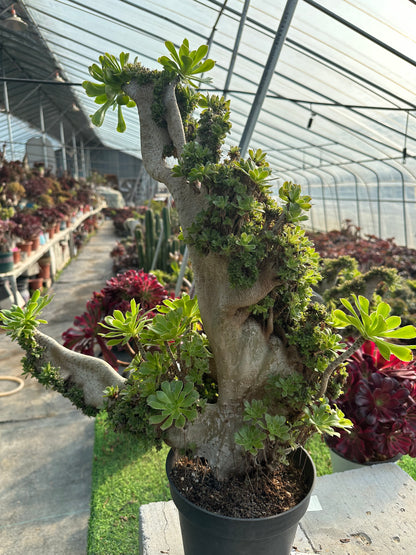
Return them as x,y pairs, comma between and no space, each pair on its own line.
348,64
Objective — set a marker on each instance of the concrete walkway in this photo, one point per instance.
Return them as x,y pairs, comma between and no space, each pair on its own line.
45,444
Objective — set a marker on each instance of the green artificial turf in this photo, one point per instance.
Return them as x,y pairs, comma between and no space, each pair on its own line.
409,465
319,452
126,475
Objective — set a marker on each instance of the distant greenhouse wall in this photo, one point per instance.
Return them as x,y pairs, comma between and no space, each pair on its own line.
114,162
381,203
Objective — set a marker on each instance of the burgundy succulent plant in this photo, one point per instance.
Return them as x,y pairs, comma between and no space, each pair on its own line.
380,399
116,295
49,216
28,225
369,251
120,215
125,256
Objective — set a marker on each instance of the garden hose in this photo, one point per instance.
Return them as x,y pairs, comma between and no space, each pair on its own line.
12,379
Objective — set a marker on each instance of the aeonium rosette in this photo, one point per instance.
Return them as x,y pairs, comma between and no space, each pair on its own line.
380,399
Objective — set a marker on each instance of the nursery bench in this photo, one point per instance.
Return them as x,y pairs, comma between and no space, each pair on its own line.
48,248
370,510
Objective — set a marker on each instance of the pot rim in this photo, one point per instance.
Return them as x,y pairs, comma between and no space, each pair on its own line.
305,500
366,463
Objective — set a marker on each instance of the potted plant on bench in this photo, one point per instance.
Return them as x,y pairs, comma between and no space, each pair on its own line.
238,383
7,229
380,400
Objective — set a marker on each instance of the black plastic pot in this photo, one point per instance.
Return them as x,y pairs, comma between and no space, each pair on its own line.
342,464
206,533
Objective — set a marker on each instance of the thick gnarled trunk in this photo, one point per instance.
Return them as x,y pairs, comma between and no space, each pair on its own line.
244,353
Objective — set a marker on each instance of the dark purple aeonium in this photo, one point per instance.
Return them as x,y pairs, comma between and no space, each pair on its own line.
85,337
380,399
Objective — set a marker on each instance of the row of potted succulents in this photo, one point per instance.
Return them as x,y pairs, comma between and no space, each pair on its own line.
35,206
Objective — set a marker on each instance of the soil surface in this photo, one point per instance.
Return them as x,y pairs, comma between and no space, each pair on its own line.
258,495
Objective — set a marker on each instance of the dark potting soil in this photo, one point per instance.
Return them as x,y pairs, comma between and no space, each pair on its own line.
260,495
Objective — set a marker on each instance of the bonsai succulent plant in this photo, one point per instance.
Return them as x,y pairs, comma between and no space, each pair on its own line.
240,376
380,400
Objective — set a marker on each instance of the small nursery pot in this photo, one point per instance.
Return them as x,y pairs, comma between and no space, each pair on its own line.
206,533
35,283
6,262
16,255
26,247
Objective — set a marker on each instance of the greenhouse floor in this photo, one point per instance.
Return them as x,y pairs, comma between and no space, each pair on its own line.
47,445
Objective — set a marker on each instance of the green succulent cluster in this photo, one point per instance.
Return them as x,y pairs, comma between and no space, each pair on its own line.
277,435
214,124
114,73
378,326
314,339
297,268
20,324
109,91
387,278
167,382
240,218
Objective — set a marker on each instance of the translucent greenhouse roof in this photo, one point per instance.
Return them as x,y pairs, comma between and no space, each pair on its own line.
326,88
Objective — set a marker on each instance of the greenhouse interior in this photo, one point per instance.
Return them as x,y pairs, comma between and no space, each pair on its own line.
328,96
311,105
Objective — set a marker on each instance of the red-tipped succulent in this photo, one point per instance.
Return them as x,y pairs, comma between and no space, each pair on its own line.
380,399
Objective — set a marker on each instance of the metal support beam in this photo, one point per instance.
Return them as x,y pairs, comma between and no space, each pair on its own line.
43,131
74,146
236,45
269,68
63,147
83,166
377,196
9,120
361,32
403,201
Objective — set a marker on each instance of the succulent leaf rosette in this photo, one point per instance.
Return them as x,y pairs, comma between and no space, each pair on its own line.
380,399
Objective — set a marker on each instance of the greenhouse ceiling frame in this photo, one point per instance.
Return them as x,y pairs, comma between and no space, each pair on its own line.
328,89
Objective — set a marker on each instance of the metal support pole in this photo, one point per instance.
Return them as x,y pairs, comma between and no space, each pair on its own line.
63,147
377,198
74,146
323,199
236,46
403,188
83,166
182,272
269,68
9,119
88,161
43,131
